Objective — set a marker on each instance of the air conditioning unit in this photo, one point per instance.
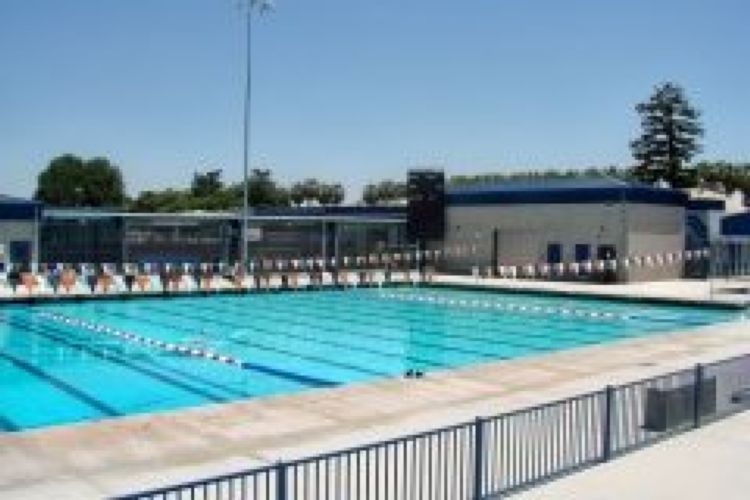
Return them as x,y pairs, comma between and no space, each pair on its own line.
667,409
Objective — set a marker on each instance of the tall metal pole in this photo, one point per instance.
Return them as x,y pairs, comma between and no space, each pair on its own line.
246,136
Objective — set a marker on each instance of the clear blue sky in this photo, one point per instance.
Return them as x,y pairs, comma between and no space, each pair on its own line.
359,90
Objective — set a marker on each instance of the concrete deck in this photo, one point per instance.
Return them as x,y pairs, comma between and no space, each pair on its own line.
730,292
710,462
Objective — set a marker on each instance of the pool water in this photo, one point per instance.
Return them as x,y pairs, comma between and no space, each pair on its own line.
68,362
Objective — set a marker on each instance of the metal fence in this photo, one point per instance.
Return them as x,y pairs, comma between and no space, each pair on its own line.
495,456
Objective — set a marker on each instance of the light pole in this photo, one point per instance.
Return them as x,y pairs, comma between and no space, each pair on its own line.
250,6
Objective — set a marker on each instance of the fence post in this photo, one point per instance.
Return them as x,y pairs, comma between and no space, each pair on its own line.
609,392
280,480
697,395
478,457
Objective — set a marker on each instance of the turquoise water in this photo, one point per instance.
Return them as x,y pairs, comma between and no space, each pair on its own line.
60,364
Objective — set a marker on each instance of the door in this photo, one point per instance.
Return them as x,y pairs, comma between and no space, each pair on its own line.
20,252
554,253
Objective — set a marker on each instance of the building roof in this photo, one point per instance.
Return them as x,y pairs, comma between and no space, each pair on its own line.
13,208
387,211
328,214
567,191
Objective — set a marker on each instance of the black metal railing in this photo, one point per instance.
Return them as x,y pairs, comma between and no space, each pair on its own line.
495,456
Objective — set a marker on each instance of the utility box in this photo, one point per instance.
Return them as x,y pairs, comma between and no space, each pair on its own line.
667,409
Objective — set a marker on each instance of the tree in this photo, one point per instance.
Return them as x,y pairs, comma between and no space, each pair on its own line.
670,136
534,175
370,195
331,194
385,192
208,192
338,193
297,193
167,200
207,183
70,181
724,176
262,190
312,190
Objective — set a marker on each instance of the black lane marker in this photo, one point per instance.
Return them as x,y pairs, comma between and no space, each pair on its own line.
63,386
414,315
574,334
428,333
116,360
8,426
341,345
265,347
282,316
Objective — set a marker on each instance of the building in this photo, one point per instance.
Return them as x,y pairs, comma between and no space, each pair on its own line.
19,230
514,223
518,223
102,236
732,252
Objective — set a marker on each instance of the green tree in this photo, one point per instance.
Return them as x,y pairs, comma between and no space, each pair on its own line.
312,190
331,194
70,181
297,193
370,194
670,135
262,190
167,200
207,183
337,195
724,176
387,191
538,175
282,197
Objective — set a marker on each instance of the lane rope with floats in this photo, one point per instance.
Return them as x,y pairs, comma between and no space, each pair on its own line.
146,341
503,306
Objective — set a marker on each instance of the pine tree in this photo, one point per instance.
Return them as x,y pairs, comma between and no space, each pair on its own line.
670,136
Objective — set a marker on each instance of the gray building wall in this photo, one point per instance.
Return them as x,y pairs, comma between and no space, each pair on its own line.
18,230
655,229
525,230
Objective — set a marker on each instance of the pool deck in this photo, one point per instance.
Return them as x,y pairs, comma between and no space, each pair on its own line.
710,462
93,460
716,292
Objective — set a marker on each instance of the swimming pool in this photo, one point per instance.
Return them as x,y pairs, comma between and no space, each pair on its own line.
68,362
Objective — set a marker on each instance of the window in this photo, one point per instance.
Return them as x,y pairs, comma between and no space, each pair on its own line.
606,252
554,253
583,252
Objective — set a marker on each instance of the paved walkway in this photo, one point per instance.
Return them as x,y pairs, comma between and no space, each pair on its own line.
709,463
731,292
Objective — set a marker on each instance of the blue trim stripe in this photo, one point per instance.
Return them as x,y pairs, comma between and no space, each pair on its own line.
631,194
699,204
736,225
12,208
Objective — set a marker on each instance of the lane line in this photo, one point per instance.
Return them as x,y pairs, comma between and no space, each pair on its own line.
60,384
64,339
